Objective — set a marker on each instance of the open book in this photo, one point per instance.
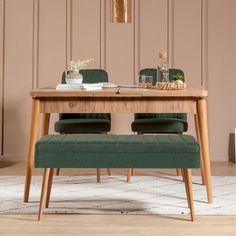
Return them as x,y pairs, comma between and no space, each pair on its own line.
83,86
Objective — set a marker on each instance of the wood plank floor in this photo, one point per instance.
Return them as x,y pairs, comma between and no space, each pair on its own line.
71,224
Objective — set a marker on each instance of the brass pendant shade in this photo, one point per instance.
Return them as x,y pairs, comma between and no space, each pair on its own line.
121,11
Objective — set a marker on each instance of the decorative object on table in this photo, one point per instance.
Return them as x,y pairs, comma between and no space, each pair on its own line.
73,75
163,68
168,82
178,78
121,11
145,81
170,86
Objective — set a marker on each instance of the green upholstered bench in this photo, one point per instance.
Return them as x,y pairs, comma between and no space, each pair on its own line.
116,151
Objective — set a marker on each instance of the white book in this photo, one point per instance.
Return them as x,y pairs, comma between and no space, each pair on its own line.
86,87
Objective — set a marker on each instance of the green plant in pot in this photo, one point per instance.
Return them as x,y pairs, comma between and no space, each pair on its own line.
178,78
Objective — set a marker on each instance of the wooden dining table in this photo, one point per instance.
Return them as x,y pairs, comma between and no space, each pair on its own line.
120,100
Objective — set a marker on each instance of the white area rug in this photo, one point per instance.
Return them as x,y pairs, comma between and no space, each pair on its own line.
144,195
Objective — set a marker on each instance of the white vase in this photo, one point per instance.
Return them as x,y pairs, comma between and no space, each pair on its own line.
73,77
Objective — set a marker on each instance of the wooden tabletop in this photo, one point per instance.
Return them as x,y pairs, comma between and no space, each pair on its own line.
120,92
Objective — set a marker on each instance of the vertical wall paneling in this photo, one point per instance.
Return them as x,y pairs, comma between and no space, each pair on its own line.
68,32
187,38
17,75
53,44
153,31
35,54
102,34
187,43
2,29
39,37
86,31
136,18
221,76
52,41
170,32
204,43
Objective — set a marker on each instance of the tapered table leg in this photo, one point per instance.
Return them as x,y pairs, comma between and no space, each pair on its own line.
203,128
33,137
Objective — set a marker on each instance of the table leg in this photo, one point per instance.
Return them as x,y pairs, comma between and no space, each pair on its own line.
33,137
201,156
202,118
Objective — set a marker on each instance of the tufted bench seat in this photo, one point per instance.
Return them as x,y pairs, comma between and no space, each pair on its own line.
116,151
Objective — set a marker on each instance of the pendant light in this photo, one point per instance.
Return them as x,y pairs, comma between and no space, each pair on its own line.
121,11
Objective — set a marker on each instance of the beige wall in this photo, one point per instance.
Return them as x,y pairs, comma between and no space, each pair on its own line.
39,37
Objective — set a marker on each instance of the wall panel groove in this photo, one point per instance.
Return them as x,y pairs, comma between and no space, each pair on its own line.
68,32
136,34
35,44
204,43
170,32
2,64
102,50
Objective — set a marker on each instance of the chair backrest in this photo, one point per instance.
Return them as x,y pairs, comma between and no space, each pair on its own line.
89,76
153,72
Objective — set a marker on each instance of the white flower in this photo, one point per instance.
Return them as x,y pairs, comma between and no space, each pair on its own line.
78,64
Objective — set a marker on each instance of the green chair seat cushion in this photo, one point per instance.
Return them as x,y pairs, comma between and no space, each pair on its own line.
158,125
82,125
117,151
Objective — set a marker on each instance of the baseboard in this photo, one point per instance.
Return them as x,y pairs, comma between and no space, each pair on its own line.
13,158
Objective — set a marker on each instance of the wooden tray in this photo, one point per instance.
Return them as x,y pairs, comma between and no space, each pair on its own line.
170,86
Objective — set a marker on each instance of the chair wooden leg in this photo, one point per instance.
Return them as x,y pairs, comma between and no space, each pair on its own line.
129,174
132,173
58,172
98,175
49,187
43,192
109,171
188,182
178,172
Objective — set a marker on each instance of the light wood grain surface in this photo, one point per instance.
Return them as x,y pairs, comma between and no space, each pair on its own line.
123,92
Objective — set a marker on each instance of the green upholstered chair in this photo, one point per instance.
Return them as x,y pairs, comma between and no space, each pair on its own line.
70,123
160,122
171,123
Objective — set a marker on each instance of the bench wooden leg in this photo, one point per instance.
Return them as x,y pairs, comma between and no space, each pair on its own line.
189,192
43,192
49,187
185,184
